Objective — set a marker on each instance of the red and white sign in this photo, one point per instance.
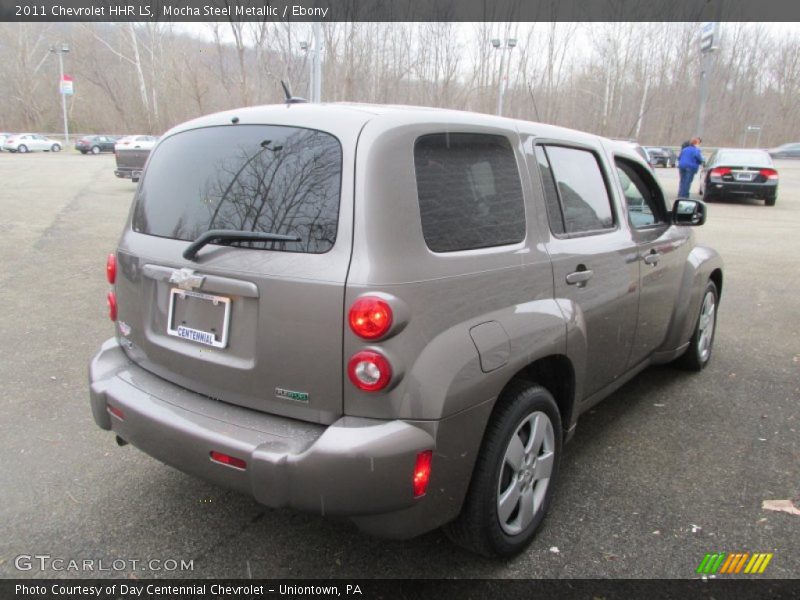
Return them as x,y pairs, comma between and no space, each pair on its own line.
66,85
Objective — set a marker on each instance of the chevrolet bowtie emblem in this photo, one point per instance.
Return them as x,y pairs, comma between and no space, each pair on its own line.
186,279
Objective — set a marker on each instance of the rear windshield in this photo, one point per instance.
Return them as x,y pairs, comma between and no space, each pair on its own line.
260,178
745,158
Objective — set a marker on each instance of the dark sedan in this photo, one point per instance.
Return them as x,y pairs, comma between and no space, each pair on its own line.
95,144
737,172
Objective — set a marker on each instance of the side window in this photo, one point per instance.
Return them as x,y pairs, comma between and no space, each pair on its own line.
644,200
582,192
469,190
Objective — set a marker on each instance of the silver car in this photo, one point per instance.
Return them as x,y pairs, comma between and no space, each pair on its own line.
392,314
29,142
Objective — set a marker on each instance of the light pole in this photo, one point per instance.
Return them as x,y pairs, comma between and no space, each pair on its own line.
61,52
498,45
304,46
709,36
317,61
315,64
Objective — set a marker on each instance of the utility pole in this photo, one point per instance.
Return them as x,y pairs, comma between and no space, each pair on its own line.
61,52
505,66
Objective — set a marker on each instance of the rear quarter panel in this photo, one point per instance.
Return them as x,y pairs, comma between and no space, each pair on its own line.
437,365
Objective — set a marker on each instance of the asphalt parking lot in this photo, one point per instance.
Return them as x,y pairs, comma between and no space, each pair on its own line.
672,466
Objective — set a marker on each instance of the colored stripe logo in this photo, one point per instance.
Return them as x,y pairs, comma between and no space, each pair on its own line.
734,563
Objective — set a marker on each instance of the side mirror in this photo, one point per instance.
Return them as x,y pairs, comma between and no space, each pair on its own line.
688,212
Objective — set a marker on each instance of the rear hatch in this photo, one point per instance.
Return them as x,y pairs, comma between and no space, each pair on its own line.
252,323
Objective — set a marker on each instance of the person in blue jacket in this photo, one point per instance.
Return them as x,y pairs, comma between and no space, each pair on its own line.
689,162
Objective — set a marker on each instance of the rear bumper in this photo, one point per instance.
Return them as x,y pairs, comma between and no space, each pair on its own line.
355,467
759,190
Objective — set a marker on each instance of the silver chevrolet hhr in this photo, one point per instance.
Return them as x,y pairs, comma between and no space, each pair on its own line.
393,314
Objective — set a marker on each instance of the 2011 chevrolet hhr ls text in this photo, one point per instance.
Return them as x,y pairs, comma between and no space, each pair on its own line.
392,314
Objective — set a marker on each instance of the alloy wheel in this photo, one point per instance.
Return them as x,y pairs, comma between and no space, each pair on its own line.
525,472
706,326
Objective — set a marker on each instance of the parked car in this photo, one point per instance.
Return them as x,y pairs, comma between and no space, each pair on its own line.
28,142
661,156
3,137
396,315
791,150
95,144
740,172
136,141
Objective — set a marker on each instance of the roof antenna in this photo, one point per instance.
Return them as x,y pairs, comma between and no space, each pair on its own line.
289,98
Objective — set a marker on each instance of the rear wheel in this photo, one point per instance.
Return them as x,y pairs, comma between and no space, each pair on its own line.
22,149
95,149
770,201
699,351
55,148
514,475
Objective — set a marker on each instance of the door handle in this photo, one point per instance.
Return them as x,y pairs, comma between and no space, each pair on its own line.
579,278
652,258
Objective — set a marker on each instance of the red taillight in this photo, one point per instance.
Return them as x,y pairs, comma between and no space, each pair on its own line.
422,472
111,298
370,317
720,171
231,461
369,371
111,268
116,412
769,173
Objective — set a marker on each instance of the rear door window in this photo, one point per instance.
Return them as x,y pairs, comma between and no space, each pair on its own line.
271,179
469,190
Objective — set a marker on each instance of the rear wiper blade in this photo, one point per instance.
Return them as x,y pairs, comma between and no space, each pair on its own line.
228,235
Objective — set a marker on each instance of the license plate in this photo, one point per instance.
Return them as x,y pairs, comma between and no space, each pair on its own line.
198,317
744,176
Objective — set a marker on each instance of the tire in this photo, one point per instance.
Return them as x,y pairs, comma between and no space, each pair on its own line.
698,354
22,148
55,148
770,201
492,527
95,149
83,151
